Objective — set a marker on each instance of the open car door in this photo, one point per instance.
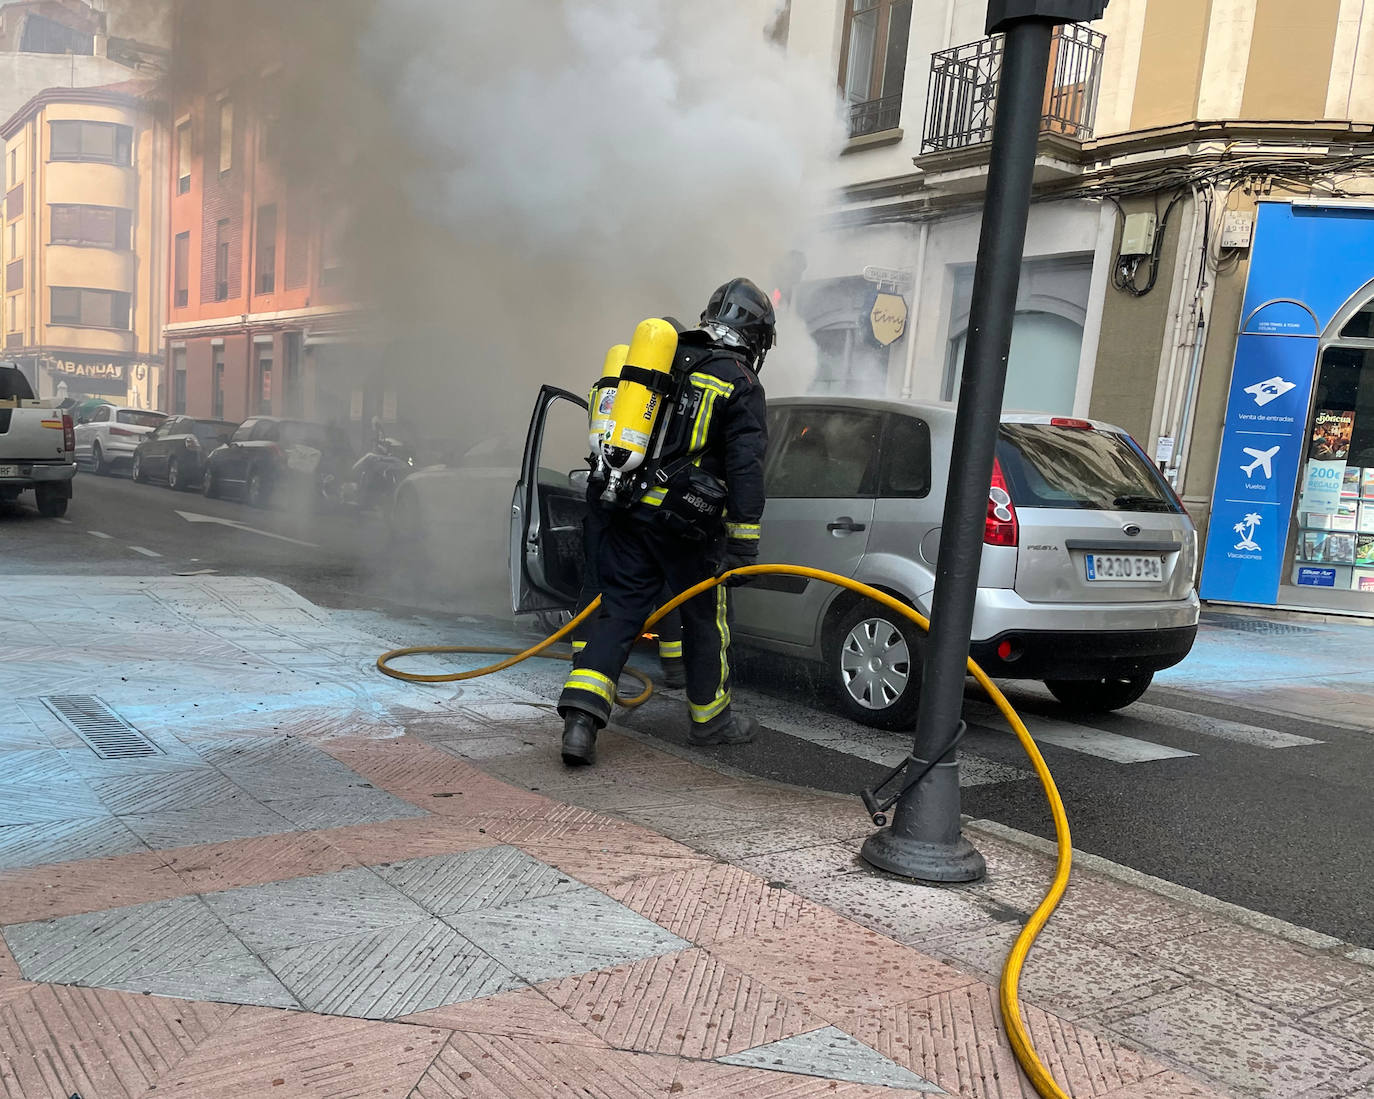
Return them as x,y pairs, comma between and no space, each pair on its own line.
547,561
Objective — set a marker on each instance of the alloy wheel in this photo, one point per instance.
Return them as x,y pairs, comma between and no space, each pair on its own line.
875,663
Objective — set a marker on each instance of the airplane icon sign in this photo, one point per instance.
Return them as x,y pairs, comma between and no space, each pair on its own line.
1263,458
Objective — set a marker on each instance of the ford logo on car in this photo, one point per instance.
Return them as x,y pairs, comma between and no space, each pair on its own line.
1130,530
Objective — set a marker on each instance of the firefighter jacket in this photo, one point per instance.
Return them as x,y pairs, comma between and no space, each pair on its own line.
720,426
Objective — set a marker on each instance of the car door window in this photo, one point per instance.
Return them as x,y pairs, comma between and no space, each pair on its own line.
245,431
267,430
825,453
102,415
905,469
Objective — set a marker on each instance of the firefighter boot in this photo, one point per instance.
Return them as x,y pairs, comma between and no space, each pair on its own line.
579,739
728,728
674,671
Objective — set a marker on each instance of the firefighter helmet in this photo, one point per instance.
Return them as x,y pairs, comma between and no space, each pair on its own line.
740,309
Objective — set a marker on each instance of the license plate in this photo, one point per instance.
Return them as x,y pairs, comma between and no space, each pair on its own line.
9,471
1112,566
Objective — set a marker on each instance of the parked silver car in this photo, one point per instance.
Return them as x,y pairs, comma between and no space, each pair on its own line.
1087,575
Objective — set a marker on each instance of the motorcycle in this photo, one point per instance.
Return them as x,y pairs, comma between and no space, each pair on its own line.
377,473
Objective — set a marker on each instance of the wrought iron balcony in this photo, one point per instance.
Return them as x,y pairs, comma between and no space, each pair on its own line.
962,96
875,115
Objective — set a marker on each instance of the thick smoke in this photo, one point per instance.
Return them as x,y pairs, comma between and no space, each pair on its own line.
523,181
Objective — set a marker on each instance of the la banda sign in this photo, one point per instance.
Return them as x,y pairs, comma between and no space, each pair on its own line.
112,371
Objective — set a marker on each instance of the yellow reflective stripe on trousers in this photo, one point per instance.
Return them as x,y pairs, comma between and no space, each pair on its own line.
654,497
578,646
670,649
584,679
714,708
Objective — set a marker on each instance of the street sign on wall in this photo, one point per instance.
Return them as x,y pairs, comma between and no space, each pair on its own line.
1308,262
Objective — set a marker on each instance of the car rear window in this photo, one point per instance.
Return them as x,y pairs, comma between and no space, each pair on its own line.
303,433
139,419
209,430
1070,467
14,385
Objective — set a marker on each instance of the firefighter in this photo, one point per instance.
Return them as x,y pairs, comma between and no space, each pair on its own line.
669,536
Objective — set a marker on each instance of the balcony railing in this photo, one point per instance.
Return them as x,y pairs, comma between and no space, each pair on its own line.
962,96
875,116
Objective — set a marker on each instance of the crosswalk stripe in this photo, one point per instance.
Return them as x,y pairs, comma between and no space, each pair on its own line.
1216,727
1081,738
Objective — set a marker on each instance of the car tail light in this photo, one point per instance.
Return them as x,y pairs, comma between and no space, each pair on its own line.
1069,421
68,434
1001,528
122,431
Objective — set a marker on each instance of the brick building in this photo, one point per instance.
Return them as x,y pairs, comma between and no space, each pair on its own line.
258,317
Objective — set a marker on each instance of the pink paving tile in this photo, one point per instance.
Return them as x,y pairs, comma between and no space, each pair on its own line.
835,966
955,1039
389,841
208,868
688,1004
606,868
90,885
8,966
524,1014
704,1078
56,1041
482,1066
714,901
261,1053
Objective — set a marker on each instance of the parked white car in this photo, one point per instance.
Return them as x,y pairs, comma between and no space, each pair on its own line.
111,435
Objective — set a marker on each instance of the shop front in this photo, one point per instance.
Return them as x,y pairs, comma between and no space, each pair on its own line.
1292,520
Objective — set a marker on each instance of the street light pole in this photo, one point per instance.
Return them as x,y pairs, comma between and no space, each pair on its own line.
924,840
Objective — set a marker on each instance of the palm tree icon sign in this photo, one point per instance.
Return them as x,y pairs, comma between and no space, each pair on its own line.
1246,529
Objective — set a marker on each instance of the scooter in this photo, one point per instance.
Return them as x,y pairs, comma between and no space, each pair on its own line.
377,473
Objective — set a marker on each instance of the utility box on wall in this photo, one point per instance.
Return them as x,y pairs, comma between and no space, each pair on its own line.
1138,235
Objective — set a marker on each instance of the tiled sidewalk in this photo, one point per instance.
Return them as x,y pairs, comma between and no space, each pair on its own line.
295,900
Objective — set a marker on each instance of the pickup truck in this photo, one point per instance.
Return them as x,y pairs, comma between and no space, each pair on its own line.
37,446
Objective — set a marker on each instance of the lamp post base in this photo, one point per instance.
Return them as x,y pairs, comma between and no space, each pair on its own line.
933,862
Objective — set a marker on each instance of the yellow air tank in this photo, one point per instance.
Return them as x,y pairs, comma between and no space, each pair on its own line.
602,397
635,411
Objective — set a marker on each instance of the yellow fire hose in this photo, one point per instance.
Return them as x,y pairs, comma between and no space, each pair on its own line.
1011,972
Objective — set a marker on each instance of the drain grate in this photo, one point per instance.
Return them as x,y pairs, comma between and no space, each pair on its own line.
1247,624
108,735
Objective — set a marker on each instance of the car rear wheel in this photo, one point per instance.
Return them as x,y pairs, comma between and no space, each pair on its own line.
137,472
175,480
98,463
1099,695
874,661
52,501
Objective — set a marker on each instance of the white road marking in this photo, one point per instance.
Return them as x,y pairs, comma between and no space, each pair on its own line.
1217,727
1079,738
196,517
64,522
145,552
98,534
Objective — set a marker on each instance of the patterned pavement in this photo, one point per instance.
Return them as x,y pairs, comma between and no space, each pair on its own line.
318,889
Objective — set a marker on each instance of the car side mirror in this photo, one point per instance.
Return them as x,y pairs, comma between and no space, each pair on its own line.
578,478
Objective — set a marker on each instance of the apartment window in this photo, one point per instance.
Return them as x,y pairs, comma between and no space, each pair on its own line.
331,250
873,63
226,135
101,142
266,265
184,157
265,383
12,319
12,241
219,383
222,259
98,226
42,35
181,271
179,381
84,308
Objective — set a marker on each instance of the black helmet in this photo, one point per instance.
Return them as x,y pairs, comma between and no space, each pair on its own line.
747,312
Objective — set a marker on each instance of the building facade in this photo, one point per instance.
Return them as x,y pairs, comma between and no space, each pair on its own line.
1170,128
82,224
259,321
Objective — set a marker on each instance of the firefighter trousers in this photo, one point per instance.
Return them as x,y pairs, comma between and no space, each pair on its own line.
637,563
669,629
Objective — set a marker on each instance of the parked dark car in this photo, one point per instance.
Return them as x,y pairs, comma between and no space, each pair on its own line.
270,458
176,451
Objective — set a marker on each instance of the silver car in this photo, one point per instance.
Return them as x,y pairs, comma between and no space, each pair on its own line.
1088,566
